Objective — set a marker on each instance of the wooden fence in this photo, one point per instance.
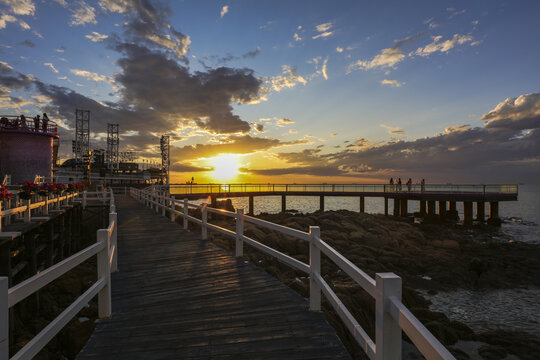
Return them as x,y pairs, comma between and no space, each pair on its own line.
392,316
106,250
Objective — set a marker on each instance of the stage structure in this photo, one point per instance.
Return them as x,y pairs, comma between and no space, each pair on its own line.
165,159
113,142
81,145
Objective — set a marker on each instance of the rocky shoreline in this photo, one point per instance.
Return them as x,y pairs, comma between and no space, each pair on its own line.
429,257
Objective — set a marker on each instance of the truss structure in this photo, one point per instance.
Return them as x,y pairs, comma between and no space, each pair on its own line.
113,142
165,159
81,145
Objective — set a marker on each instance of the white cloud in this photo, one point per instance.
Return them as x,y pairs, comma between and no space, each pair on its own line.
62,3
90,76
444,46
6,18
84,14
119,6
324,67
20,7
392,83
287,79
292,131
224,10
386,59
96,37
297,37
51,66
61,49
323,30
5,65
339,49
393,130
284,121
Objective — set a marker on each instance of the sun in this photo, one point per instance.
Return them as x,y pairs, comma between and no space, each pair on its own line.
225,167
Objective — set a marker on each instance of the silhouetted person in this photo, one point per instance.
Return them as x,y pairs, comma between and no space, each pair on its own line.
36,123
399,184
22,120
409,184
391,181
422,185
4,122
45,122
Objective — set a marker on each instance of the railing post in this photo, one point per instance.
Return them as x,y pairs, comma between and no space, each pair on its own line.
186,213
27,215
387,330
239,232
204,230
173,208
104,271
113,217
84,199
4,319
0,226
315,268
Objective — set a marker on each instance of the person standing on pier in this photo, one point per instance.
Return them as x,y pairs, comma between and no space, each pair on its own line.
422,185
399,184
36,123
409,184
45,122
391,184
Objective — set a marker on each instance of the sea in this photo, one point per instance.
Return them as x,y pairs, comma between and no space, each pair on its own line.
521,218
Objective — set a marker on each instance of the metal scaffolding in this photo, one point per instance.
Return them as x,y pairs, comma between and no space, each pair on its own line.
81,145
113,142
165,159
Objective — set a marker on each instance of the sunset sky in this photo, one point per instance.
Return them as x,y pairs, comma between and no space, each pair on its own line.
288,91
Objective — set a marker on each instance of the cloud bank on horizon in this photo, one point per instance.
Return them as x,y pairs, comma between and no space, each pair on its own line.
149,80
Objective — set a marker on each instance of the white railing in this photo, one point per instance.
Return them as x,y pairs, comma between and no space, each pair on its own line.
392,317
23,208
106,250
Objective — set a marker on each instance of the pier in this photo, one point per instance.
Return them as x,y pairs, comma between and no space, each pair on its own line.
428,196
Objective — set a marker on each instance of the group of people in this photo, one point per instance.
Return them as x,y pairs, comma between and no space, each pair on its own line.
20,122
408,183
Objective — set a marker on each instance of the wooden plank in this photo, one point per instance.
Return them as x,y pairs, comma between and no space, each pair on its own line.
177,296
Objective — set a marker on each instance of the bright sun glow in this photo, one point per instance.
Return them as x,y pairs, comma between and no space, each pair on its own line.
225,167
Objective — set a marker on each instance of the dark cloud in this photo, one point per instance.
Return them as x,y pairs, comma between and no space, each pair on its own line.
258,127
252,54
302,170
183,167
27,43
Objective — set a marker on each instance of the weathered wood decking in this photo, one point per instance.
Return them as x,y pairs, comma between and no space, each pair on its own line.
178,297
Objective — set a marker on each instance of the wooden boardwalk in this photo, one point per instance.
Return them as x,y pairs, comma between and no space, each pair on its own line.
179,297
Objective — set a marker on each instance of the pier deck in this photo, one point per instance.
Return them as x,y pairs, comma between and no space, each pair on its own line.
177,296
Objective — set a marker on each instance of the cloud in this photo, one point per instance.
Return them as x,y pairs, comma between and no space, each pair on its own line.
339,49
267,26
387,58
20,7
96,37
244,144
444,46
90,76
258,127
519,113
393,130
61,49
323,30
252,54
297,37
6,18
284,122
324,67
224,10
186,167
51,66
83,14
62,3
292,131
287,79
27,43
392,82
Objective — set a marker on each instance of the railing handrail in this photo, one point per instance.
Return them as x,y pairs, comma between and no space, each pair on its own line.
392,316
106,250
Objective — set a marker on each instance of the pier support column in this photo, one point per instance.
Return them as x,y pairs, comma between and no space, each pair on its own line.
453,206
404,208
250,206
442,209
362,204
422,208
321,203
493,209
396,207
467,213
431,207
385,206
283,203
480,211
213,201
